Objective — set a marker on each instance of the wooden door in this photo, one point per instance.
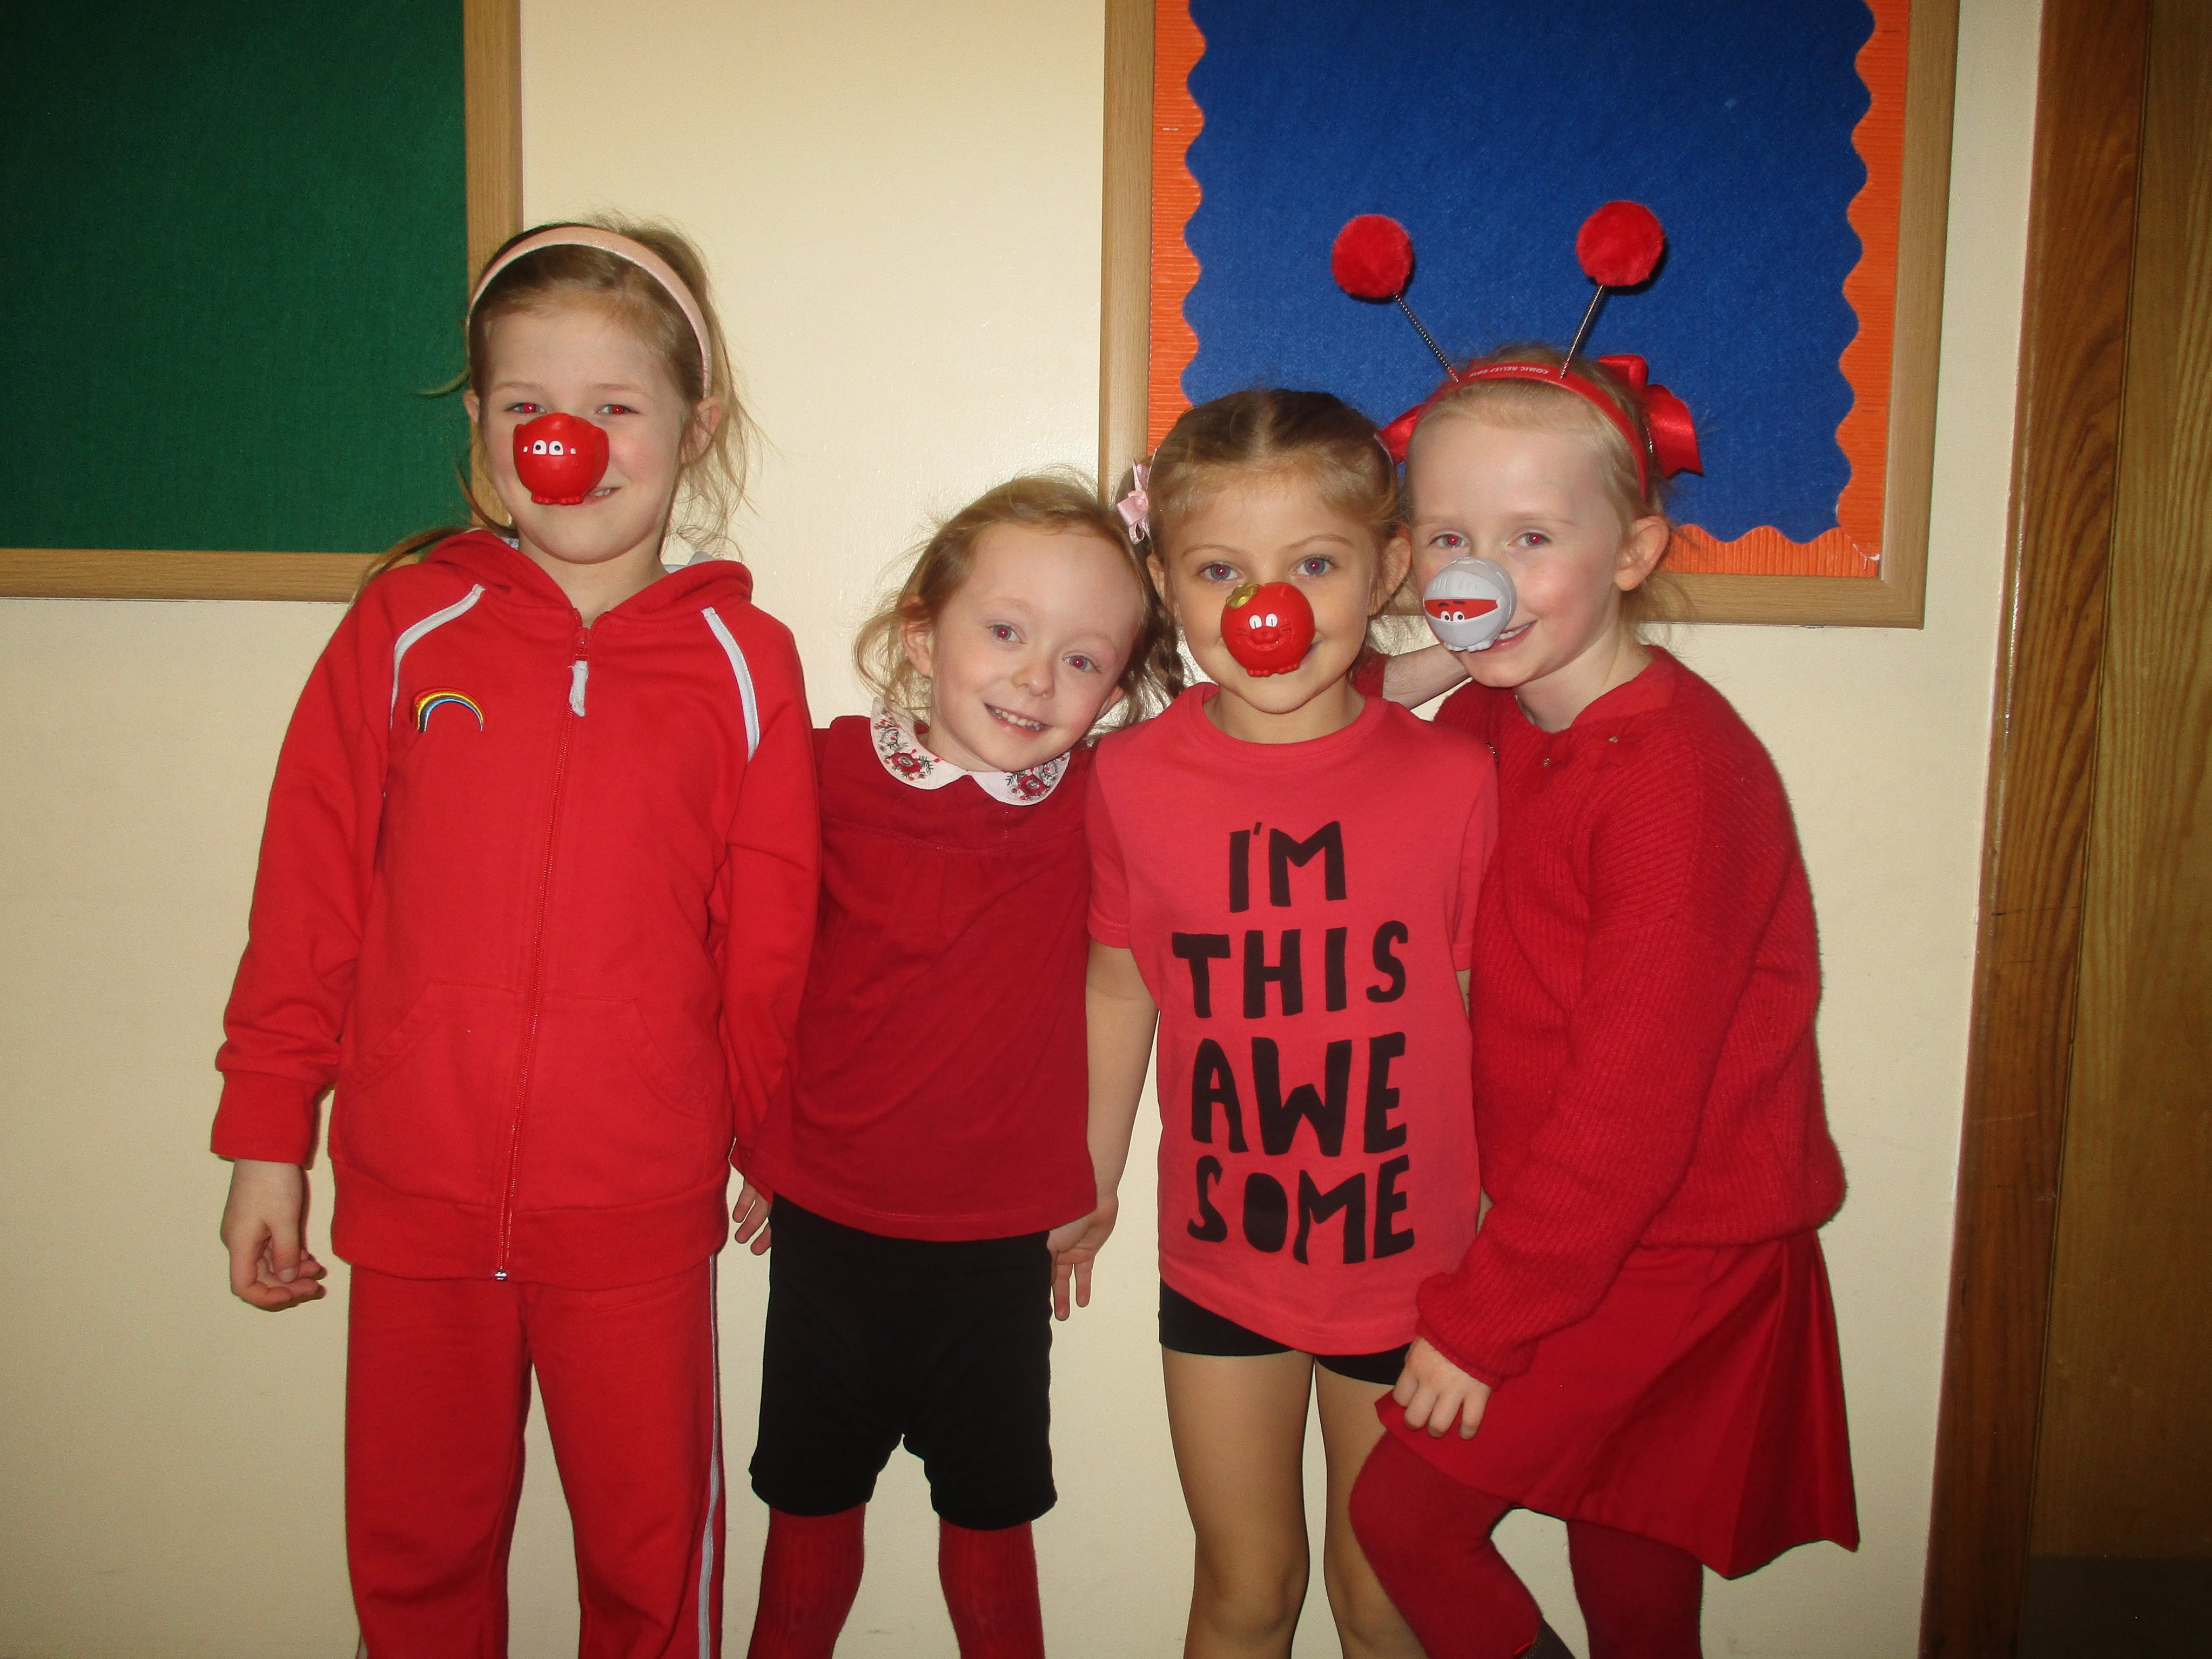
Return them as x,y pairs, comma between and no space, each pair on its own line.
2123,1464
2077,1378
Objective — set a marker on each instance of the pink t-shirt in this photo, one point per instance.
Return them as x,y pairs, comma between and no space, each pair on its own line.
1300,913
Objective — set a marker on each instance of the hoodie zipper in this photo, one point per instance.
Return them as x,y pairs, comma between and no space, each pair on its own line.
572,711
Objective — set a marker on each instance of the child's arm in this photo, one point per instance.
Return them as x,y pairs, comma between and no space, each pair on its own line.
1434,1392
751,1213
1418,677
1122,1016
766,901
287,1004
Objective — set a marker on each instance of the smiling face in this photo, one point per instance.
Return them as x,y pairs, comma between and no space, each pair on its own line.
1275,527
1027,652
583,359
1535,500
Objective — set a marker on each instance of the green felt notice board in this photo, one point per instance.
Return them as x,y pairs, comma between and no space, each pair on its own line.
239,241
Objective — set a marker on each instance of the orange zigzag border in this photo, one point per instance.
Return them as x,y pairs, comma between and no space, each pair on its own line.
1854,547
1177,47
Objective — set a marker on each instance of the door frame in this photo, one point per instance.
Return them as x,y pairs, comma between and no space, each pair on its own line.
2043,761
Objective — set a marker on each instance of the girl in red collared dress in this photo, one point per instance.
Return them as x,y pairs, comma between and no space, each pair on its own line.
934,1132
1640,1339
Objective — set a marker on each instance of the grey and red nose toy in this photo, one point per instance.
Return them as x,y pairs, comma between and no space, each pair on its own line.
1469,603
559,459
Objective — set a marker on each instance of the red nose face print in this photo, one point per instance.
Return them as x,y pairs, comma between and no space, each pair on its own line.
1268,627
559,459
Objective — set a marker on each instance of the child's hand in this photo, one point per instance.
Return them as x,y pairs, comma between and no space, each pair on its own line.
1434,1391
262,1222
750,1214
1074,1246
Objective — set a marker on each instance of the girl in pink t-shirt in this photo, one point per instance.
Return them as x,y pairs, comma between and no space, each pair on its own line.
1284,878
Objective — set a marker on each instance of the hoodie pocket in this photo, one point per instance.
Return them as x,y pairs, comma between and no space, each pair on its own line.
613,1118
421,1109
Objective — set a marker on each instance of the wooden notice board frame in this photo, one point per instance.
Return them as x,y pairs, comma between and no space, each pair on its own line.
491,47
1143,88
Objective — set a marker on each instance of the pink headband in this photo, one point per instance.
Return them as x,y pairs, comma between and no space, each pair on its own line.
623,248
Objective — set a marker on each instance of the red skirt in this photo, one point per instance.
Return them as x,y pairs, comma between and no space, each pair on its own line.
1702,1404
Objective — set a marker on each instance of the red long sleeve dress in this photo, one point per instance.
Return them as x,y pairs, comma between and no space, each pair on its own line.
1647,1295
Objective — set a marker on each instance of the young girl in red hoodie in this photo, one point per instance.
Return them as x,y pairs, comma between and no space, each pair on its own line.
1640,1339
536,895
934,1133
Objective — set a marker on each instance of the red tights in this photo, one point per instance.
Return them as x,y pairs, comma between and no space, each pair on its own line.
1428,1538
811,1572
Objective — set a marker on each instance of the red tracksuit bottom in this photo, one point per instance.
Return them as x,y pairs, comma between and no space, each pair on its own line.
437,1392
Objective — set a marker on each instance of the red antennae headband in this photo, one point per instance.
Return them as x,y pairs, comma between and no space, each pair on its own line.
1618,246
1674,445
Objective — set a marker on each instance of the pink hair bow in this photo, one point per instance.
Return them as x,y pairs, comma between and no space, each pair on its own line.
1136,507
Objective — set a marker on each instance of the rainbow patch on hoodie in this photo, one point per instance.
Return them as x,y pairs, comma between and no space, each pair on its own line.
431,701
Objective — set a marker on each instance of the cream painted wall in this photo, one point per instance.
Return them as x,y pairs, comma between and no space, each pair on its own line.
900,203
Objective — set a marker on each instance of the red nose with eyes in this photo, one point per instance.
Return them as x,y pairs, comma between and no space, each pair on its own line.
1269,627
559,459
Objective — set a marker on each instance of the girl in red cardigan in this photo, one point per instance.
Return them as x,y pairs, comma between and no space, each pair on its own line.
1640,1339
535,894
933,1134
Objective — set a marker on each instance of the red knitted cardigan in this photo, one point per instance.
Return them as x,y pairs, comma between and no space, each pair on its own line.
1646,975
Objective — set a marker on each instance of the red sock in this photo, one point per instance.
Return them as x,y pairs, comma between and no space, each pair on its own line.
810,1573
1428,1538
990,1583
1640,1597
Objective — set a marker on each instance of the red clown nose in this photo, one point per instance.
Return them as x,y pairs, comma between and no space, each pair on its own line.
1268,627
559,459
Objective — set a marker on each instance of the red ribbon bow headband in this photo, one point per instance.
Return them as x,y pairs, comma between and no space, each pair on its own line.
1619,246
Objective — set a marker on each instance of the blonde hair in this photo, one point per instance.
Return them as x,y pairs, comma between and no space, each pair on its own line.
1058,500
711,482
1529,405
1312,433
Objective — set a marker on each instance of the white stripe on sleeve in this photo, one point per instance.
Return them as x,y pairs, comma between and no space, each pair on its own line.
744,678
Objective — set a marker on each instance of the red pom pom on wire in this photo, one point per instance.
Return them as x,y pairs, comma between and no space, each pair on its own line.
1619,245
1373,258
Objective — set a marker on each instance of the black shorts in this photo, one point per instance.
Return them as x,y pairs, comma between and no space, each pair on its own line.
872,1341
1188,1328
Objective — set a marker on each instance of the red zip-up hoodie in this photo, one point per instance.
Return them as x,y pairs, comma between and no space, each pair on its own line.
537,898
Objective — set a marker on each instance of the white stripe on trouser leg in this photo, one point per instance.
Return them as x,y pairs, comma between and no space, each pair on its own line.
714,1463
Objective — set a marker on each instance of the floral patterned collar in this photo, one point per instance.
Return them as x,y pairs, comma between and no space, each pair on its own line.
904,757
